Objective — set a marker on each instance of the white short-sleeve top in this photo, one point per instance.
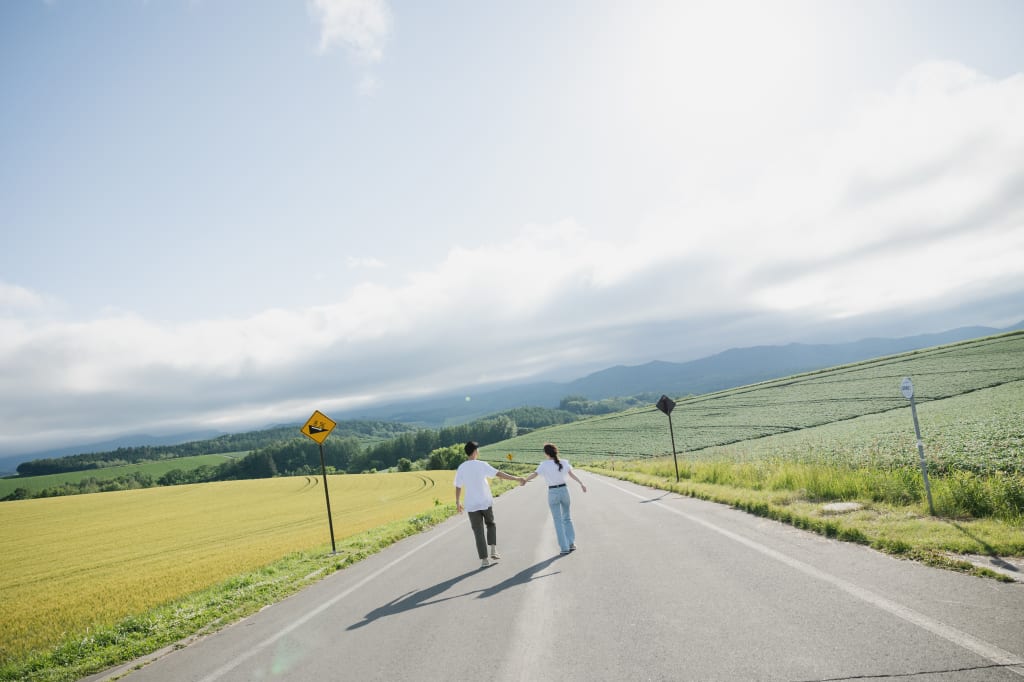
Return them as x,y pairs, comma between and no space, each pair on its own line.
472,477
549,470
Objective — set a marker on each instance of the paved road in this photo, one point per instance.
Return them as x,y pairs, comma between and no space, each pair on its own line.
661,588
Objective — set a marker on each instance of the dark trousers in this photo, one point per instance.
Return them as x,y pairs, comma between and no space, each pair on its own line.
478,519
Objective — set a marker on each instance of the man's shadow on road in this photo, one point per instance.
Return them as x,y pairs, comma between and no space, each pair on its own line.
429,595
521,578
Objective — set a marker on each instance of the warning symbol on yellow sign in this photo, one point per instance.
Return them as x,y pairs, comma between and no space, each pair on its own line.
509,455
318,427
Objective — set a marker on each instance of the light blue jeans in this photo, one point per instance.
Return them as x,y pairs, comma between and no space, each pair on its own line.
558,500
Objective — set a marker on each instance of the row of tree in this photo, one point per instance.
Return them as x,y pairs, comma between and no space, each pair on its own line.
91,484
302,456
239,442
581,405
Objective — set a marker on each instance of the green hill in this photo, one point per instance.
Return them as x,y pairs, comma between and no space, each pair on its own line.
812,399
139,472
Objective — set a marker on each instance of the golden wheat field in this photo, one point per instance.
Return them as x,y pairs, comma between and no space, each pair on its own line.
74,562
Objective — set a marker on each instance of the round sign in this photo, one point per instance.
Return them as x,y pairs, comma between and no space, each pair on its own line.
907,388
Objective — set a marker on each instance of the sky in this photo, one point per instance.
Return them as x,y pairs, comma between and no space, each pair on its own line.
222,215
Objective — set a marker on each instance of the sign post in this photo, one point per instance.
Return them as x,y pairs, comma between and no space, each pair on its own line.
317,428
907,388
666,405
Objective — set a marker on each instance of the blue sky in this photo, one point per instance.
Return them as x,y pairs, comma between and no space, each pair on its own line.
218,214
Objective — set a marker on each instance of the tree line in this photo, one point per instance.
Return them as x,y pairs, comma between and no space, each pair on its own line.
580,405
301,456
279,452
422,449
239,442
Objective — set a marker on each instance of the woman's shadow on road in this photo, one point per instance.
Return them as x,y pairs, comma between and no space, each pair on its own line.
431,595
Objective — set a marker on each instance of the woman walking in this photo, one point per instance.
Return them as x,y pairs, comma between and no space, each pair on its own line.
557,473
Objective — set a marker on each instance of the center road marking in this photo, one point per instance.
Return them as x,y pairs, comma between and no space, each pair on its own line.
532,621
958,637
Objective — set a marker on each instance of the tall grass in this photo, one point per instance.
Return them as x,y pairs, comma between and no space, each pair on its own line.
960,494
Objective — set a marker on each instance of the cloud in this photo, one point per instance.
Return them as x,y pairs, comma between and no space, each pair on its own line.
917,195
360,26
364,262
14,297
911,207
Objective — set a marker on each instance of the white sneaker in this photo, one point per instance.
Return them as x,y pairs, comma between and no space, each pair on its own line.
485,562
494,552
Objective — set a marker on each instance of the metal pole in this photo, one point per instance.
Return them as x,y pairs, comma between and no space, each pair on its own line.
673,435
920,454
330,522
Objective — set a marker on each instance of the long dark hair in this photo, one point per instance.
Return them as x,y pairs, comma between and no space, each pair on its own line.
551,450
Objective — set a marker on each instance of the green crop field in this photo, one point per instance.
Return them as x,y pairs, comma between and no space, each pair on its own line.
987,437
156,469
981,432
77,563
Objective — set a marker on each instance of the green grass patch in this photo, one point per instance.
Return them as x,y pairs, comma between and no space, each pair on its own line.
797,494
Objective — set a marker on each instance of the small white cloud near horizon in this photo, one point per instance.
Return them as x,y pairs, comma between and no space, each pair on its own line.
13,296
364,263
362,27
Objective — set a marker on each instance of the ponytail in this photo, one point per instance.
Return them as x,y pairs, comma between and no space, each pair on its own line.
551,450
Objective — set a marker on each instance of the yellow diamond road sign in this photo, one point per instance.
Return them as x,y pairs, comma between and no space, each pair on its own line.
318,427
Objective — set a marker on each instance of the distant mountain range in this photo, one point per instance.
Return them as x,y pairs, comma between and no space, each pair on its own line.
728,369
734,367
8,465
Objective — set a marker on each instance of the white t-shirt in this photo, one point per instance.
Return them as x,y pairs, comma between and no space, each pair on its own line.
549,470
472,477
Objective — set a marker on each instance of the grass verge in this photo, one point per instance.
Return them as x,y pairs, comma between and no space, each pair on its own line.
904,529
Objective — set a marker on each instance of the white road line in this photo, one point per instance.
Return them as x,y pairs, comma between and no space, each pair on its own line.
228,667
984,649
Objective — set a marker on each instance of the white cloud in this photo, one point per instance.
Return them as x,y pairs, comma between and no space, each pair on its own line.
16,297
364,262
360,26
921,181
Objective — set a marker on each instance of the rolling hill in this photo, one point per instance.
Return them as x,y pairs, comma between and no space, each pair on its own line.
728,369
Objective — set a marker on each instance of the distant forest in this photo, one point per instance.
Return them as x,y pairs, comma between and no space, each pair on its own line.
239,442
355,446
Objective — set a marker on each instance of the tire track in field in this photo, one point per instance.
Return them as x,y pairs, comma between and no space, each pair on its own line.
425,483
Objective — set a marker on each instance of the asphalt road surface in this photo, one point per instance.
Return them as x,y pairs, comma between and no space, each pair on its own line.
661,588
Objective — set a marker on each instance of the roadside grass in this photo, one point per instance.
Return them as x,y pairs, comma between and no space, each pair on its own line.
958,494
156,469
893,516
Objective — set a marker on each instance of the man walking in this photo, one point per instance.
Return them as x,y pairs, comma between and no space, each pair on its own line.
472,476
